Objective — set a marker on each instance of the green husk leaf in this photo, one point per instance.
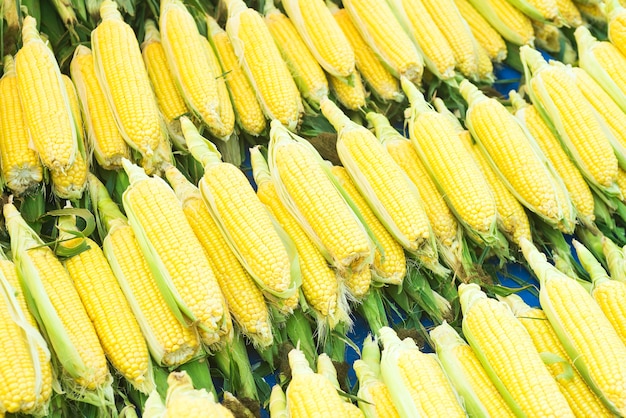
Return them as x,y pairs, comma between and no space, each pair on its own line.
551,358
233,362
615,259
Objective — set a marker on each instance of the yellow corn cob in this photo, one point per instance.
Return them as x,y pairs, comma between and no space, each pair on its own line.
580,397
389,261
83,358
378,78
169,341
424,382
511,215
569,12
509,21
260,58
617,24
104,138
192,66
595,348
485,67
322,35
554,88
441,151
374,392
621,180
484,33
467,375
351,97
606,292
74,106
244,298
309,393
126,84
592,14
240,215
247,108
184,264
319,282
507,353
117,328
375,173
226,111
432,43
21,167
548,9
603,61
48,114
25,356
602,102
389,41
457,32
576,186
326,368
314,200
404,154
306,71
521,165
169,99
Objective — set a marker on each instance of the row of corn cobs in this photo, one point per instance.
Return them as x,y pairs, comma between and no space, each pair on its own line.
230,255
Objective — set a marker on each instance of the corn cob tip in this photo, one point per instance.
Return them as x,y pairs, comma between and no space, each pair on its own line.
517,101
516,303
29,30
109,11
470,92
445,336
151,32
260,168
388,337
584,38
134,172
213,27
298,362
533,58
204,151
8,65
469,294
612,8
334,114
412,92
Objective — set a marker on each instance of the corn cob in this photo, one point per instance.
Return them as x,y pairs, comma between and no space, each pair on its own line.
615,259
192,66
62,315
184,267
480,396
602,61
21,167
170,342
389,264
416,381
484,33
304,67
117,328
405,155
509,21
431,42
247,109
593,14
512,218
357,283
616,15
595,348
390,42
350,96
608,110
322,35
569,12
169,99
606,292
621,181
458,33
578,189
25,355
523,167
104,139
124,80
378,78
485,67
276,90
278,403
310,393
391,195
542,11
307,190
553,90
326,368
473,204
580,397
48,114
508,355
374,396
244,298
71,183
319,282
242,219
